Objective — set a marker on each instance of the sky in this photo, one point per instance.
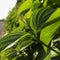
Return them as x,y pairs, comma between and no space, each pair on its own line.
5,7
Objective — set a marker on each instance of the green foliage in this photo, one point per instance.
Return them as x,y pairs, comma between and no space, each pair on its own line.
51,27
12,21
33,31
52,3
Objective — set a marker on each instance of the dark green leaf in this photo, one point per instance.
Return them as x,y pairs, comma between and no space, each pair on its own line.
10,38
24,42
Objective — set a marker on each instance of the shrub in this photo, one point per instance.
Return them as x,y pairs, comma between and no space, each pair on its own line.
37,34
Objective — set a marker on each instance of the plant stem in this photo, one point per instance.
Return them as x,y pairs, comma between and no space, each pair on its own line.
50,47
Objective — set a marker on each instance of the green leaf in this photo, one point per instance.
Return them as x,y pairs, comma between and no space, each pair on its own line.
20,58
25,6
24,42
53,3
10,53
43,16
10,38
47,57
45,3
39,17
51,54
32,21
52,24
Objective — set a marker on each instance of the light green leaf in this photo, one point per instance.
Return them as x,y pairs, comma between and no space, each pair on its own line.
10,53
52,24
26,5
45,3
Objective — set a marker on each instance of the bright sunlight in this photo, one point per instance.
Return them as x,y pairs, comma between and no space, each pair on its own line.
5,7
